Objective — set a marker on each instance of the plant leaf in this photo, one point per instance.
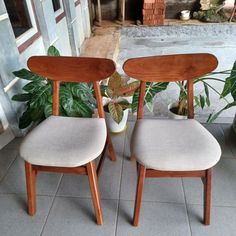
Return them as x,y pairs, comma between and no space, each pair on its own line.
151,90
116,111
25,120
213,117
48,110
125,104
27,75
34,86
115,81
227,88
82,108
52,51
40,96
66,100
37,113
202,101
128,89
196,99
23,97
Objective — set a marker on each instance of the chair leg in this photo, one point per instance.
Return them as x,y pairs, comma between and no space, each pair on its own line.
139,192
132,157
111,148
102,159
93,183
30,175
207,196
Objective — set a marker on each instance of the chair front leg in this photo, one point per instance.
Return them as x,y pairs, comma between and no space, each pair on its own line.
93,183
207,196
30,175
139,192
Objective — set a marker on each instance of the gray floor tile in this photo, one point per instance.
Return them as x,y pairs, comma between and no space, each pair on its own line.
156,219
7,156
230,137
75,216
14,181
118,141
14,219
217,132
162,190
224,187
109,182
14,144
222,221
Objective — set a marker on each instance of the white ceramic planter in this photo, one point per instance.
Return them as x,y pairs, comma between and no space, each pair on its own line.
185,15
113,126
173,115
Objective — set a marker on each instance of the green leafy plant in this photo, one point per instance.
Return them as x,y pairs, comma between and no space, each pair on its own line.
115,91
76,99
151,90
203,99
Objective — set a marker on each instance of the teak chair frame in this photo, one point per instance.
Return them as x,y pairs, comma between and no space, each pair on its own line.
72,69
170,69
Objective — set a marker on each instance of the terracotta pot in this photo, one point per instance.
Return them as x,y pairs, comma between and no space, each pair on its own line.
173,115
113,126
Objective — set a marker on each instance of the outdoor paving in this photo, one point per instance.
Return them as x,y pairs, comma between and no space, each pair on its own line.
169,207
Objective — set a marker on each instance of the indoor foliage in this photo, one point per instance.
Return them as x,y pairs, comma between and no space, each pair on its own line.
76,99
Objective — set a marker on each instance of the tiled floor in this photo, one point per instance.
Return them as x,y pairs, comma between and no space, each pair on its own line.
170,206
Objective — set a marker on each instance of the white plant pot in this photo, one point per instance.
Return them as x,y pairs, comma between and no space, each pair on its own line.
113,126
173,115
185,15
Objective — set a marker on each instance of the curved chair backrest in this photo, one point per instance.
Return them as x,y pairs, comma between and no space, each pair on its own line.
168,69
73,69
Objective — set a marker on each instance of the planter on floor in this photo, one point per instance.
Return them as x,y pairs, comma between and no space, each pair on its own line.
113,126
172,107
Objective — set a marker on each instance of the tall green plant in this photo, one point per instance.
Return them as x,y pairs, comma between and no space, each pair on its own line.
203,99
76,99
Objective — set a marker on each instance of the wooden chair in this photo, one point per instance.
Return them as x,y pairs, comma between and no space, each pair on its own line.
172,148
68,144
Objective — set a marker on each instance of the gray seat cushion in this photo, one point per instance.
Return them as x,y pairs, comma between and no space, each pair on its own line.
174,145
64,141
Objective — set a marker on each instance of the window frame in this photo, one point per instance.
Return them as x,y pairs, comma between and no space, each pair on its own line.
60,13
27,38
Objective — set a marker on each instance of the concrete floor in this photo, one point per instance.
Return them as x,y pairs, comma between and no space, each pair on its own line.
170,206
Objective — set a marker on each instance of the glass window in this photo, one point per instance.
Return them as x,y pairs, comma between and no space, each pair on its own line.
56,4
19,16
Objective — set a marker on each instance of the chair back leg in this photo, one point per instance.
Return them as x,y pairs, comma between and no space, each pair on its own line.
111,148
93,183
139,193
207,196
30,175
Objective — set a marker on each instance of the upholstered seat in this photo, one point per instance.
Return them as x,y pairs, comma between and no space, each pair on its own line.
174,145
65,141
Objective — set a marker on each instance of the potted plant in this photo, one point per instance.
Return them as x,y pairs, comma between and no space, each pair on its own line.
179,108
117,96
76,99
152,89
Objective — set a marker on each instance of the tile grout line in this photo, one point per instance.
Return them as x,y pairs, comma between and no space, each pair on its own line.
185,200
9,167
118,206
50,209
